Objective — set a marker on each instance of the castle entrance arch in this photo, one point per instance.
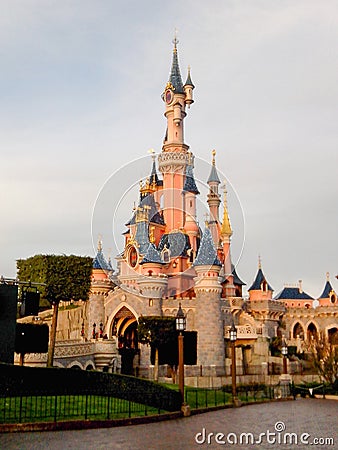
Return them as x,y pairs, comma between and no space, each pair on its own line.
124,328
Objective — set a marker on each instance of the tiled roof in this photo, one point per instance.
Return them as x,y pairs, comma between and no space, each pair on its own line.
260,278
237,280
154,215
142,237
100,262
152,256
207,254
292,293
177,242
175,75
190,184
327,289
188,81
213,177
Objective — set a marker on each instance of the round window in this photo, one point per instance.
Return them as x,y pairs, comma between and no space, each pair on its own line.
132,257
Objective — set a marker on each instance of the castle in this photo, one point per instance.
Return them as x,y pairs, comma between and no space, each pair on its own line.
168,259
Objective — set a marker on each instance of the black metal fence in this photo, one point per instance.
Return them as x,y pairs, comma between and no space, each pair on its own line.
56,408
205,398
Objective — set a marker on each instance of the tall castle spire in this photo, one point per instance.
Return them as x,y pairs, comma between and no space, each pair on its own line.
174,158
175,74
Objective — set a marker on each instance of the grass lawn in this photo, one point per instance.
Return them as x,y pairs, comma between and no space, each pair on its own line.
69,407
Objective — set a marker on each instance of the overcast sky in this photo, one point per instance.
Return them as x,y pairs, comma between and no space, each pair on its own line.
80,87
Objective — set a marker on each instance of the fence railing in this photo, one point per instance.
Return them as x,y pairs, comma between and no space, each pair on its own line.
56,408
272,369
205,398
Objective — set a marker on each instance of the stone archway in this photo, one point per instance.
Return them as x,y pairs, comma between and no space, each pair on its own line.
124,328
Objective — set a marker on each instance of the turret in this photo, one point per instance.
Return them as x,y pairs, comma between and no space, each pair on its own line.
328,297
260,288
209,320
214,200
188,88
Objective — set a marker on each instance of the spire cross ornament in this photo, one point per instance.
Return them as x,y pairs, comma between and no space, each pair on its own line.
175,40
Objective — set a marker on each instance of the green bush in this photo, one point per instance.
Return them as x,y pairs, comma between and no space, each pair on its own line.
18,380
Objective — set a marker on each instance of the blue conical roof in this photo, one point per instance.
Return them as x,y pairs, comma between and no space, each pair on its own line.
260,278
175,74
190,184
213,177
207,254
100,262
188,81
327,289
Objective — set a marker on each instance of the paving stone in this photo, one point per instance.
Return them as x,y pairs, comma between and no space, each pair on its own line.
316,417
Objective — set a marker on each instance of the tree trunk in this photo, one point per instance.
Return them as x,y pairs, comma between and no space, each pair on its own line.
51,347
22,359
156,365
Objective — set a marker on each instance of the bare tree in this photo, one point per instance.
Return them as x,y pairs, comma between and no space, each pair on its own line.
324,357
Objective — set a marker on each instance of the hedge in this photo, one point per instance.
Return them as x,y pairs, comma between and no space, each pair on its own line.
22,380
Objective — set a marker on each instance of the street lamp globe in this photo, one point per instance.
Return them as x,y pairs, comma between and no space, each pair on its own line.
180,319
233,333
284,348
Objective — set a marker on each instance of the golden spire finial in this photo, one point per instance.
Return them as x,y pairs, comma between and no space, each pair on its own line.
152,152
213,157
259,262
226,227
327,276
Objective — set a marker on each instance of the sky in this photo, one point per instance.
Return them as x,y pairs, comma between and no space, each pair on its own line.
80,89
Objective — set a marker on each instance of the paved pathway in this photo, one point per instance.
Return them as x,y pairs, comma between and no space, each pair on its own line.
314,417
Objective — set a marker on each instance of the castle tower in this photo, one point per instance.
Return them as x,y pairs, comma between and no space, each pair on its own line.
174,157
100,286
209,321
214,201
328,296
260,288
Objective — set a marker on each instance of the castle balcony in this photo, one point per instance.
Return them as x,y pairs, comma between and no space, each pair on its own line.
244,332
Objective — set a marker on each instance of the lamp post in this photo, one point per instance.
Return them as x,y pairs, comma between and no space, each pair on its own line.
180,326
284,353
233,338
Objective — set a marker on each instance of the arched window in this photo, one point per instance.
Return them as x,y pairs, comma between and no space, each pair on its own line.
166,254
333,335
298,331
312,332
